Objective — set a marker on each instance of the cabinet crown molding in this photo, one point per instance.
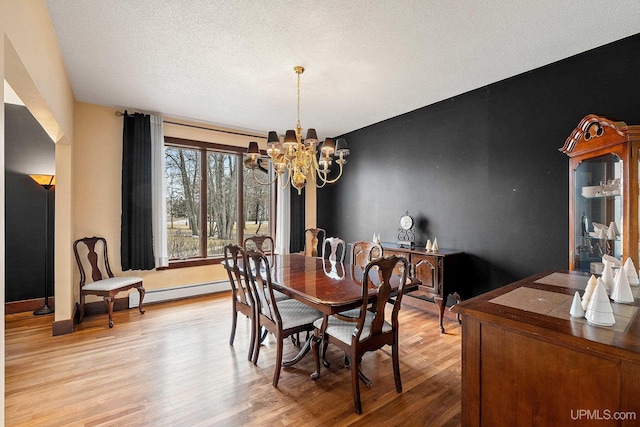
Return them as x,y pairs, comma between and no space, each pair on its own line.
597,132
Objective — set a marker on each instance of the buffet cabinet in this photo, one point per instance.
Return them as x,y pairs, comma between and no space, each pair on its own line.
439,272
603,192
527,362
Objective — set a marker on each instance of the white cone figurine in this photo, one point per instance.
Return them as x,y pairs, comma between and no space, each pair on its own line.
614,227
615,262
632,273
428,246
576,306
611,234
591,286
621,292
599,311
601,234
608,278
434,248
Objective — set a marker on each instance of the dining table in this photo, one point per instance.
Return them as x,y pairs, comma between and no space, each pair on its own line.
328,286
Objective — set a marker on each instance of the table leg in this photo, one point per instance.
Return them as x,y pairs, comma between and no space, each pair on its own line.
303,351
363,377
316,357
440,302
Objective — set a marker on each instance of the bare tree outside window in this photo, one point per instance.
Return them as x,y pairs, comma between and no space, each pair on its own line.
256,203
221,202
183,202
202,201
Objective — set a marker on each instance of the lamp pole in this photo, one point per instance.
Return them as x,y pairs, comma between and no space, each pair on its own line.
47,182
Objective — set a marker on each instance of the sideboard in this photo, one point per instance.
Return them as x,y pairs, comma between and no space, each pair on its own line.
440,272
527,362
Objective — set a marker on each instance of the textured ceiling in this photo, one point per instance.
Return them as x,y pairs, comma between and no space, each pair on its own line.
231,62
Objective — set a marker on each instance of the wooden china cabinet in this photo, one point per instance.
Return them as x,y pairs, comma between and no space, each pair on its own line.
603,192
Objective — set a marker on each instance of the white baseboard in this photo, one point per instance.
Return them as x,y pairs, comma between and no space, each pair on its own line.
178,292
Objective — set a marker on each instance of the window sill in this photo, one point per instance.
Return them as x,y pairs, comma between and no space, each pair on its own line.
192,262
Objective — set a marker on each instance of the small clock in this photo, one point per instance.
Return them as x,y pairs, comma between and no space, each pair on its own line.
405,232
406,222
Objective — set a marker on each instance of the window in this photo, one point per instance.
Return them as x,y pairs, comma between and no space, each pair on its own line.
204,206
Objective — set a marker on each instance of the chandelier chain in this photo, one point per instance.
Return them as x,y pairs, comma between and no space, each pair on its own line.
298,127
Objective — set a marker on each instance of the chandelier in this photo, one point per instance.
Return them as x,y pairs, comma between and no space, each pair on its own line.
298,157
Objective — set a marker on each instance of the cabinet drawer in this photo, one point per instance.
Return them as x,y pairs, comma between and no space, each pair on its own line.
426,269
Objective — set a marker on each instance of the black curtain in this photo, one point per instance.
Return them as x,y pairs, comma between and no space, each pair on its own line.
136,236
297,221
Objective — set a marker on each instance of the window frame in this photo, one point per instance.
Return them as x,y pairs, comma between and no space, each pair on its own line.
204,148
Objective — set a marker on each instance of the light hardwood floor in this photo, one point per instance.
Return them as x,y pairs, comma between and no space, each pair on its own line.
173,366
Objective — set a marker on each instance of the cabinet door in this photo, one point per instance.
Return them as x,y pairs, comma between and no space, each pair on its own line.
388,252
426,270
598,208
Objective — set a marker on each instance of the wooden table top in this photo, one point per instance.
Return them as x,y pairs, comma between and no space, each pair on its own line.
540,305
328,286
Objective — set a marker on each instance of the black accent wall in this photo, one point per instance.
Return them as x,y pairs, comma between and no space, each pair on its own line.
481,172
28,150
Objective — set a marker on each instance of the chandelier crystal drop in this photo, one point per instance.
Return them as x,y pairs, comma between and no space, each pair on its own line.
298,157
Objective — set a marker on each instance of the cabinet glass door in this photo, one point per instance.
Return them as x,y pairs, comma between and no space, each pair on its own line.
598,211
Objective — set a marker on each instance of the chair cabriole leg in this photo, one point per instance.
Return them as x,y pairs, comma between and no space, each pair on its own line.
276,374
396,365
355,383
141,291
234,320
109,301
81,307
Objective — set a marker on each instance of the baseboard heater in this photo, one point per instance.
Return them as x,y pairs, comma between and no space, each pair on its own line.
178,292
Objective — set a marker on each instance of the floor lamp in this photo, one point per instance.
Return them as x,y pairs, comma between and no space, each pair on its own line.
48,182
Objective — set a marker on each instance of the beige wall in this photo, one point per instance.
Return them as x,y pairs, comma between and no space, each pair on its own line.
98,171
31,63
34,68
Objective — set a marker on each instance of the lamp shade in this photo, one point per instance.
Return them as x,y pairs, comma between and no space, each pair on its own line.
328,146
44,180
312,136
253,151
290,137
341,146
273,137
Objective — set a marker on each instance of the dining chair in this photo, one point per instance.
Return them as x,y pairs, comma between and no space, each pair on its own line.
370,330
282,318
337,249
102,282
242,297
264,244
314,241
363,252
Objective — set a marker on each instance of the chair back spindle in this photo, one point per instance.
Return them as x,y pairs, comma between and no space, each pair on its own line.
363,252
334,249
314,241
264,244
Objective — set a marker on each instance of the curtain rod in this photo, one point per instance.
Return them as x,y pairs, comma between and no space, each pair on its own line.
120,113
